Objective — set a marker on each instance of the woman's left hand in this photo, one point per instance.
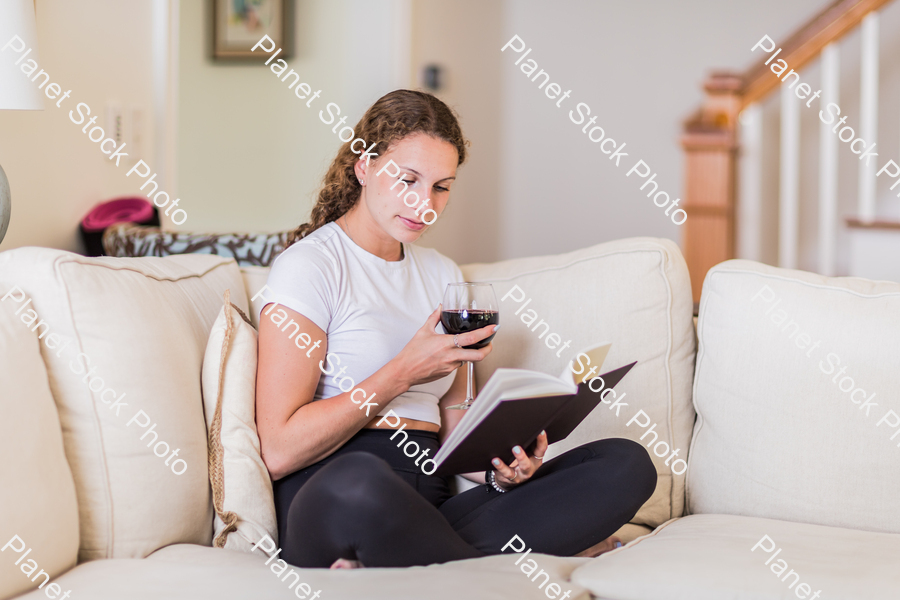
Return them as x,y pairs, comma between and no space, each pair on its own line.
523,468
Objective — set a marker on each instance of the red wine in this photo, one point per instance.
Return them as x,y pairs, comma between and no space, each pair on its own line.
461,321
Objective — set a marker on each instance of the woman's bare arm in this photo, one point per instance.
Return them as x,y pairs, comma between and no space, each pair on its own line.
295,432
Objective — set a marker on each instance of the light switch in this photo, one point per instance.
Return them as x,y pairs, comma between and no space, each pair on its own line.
115,127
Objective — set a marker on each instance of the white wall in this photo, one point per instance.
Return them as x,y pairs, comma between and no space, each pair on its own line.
640,66
102,52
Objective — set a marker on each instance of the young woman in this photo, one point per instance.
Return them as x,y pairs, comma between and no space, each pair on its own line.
346,495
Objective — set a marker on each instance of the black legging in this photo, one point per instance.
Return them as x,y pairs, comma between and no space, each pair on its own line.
369,502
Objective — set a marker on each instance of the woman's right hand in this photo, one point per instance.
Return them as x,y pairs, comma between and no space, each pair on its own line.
429,356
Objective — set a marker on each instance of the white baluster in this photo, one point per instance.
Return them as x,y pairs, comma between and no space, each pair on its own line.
868,129
789,197
749,235
828,163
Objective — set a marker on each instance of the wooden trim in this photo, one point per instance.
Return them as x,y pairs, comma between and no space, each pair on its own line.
855,223
708,210
711,140
805,45
708,233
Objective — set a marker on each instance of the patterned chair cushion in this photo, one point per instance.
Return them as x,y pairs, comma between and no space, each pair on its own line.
248,249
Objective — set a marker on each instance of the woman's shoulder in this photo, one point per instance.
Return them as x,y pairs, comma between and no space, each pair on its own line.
317,247
313,254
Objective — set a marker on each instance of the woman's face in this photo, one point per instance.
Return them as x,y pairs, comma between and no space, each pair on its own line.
427,165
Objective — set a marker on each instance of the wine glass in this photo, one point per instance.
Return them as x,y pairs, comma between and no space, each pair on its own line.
466,307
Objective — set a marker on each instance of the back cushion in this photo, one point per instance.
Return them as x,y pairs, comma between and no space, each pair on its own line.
634,293
254,280
796,394
125,373
39,522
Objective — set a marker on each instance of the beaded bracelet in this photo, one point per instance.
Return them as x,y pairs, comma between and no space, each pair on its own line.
489,477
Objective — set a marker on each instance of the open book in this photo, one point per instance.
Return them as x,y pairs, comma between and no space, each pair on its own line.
515,405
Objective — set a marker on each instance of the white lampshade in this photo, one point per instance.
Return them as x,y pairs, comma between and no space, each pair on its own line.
16,89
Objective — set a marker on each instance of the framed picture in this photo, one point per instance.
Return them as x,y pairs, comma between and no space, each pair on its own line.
239,24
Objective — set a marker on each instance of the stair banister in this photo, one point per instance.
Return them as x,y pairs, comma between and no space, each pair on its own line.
712,144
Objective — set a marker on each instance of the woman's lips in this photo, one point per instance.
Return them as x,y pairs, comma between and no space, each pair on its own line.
414,225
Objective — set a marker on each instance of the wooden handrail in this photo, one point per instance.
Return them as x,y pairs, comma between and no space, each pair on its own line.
805,45
854,223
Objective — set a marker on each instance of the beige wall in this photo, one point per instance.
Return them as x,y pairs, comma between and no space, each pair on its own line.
251,155
248,154
102,52
471,227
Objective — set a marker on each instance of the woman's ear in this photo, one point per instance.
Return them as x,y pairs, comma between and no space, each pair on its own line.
361,170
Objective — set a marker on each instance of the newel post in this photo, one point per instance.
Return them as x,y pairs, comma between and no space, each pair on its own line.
710,143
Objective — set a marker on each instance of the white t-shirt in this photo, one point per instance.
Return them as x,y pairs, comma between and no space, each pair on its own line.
369,308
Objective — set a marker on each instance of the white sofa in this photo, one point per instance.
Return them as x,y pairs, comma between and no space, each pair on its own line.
780,454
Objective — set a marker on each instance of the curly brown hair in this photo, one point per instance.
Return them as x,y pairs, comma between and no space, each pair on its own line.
393,117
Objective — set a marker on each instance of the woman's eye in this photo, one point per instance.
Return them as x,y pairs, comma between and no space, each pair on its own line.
441,189
408,181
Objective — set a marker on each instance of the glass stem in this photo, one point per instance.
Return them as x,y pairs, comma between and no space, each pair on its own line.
470,367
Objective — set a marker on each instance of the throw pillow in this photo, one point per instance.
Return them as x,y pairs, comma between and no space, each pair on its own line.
248,249
242,491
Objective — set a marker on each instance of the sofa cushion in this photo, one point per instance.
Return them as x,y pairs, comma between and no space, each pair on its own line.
634,293
711,557
39,511
126,380
198,573
241,488
254,280
796,394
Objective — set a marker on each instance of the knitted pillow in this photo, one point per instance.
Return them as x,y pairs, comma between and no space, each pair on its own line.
248,249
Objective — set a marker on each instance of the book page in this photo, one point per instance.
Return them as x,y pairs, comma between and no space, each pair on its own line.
596,357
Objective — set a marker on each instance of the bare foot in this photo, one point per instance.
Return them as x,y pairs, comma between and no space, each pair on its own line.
343,563
610,543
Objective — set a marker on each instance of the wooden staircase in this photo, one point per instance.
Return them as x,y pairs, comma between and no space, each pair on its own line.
723,147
